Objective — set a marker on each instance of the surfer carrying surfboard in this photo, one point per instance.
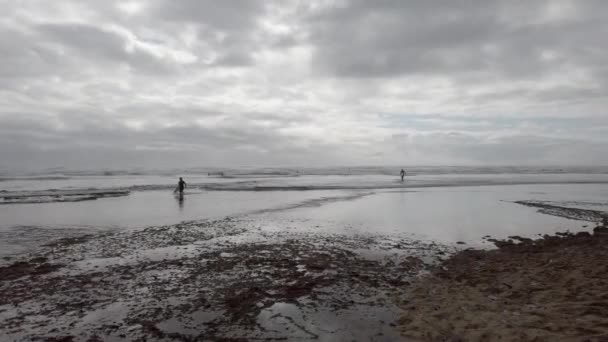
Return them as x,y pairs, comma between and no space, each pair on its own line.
181,185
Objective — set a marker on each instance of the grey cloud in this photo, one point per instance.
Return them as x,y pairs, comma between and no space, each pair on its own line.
98,144
278,81
388,38
226,15
560,95
462,148
230,28
98,45
22,57
91,127
234,59
86,39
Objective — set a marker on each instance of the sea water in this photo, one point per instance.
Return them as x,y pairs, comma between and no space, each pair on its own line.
439,203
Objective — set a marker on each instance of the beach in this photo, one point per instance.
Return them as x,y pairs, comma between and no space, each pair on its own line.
550,289
278,256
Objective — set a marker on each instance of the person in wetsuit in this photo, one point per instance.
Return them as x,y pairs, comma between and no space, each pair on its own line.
181,185
402,174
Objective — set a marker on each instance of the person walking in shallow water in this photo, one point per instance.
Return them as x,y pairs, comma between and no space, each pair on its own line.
181,185
402,174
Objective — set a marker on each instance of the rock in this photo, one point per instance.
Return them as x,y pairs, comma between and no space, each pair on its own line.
502,243
135,327
23,268
60,339
600,231
519,238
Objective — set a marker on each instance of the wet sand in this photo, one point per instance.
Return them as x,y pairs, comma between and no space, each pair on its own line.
212,280
550,289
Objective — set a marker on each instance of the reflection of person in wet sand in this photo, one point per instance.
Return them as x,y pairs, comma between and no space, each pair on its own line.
402,174
180,201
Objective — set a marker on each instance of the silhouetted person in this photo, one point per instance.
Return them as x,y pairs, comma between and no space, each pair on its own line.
402,174
181,185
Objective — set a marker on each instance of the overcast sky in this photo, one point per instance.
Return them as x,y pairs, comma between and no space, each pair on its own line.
167,83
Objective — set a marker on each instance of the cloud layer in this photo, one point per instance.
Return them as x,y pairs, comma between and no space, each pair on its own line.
237,82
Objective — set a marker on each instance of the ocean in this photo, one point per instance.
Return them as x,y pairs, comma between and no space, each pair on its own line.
448,203
65,185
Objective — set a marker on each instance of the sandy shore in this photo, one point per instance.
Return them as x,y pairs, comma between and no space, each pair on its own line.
551,289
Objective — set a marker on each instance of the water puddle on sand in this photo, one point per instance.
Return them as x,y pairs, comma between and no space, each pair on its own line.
360,321
191,325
